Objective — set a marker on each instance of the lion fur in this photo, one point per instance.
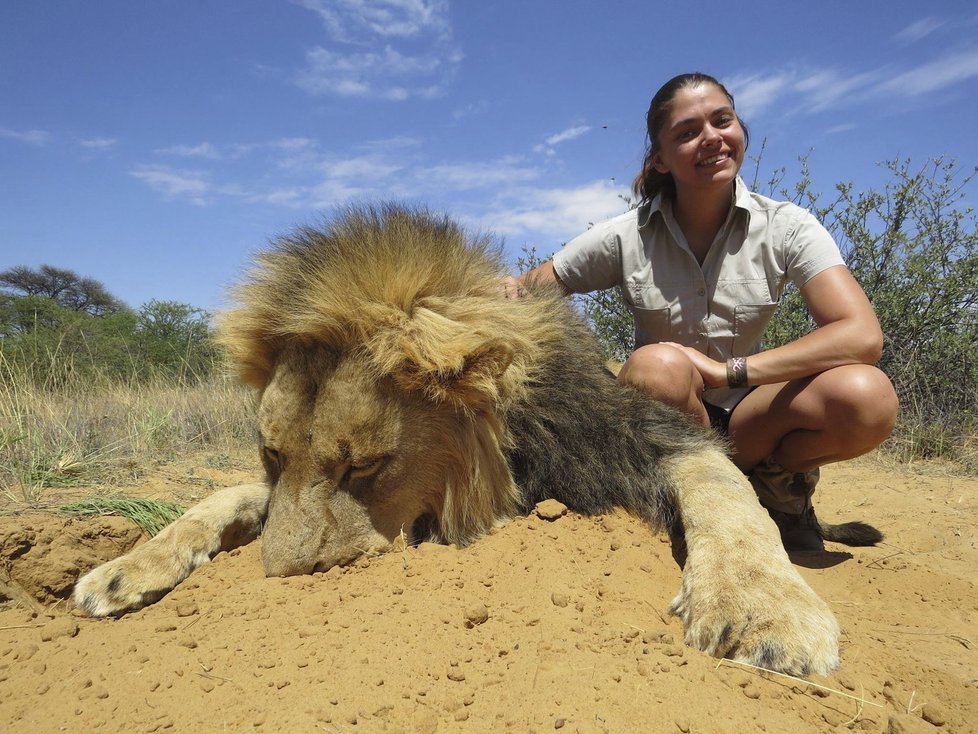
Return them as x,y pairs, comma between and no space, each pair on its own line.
421,300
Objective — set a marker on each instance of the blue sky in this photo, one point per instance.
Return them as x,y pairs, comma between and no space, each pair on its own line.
156,145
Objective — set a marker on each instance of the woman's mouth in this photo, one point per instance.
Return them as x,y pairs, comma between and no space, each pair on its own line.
713,160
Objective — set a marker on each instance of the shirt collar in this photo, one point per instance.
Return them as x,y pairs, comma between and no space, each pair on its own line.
741,200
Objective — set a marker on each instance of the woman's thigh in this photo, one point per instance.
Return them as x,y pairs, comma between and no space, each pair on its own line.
835,415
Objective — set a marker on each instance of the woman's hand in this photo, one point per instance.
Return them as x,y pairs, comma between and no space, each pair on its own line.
714,373
512,287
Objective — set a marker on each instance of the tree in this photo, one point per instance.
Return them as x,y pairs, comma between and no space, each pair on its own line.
175,337
65,287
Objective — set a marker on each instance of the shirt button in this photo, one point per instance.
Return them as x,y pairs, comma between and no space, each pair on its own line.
701,292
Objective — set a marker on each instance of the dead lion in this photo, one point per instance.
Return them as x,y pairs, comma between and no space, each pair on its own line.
401,391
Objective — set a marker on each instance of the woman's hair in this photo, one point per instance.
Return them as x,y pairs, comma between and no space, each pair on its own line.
649,183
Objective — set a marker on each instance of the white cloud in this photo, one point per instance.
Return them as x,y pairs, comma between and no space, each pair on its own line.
31,137
796,89
838,129
381,49
470,175
203,150
919,29
934,76
547,147
568,134
386,18
174,183
755,93
98,144
553,215
385,75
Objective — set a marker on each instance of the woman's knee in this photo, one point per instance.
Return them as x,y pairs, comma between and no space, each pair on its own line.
661,370
864,399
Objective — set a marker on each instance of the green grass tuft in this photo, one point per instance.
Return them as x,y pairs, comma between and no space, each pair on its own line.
151,515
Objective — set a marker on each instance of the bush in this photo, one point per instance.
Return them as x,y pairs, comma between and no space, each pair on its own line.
914,249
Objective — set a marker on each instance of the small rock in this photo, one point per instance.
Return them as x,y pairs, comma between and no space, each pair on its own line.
559,723
187,609
456,675
550,509
904,724
476,615
932,713
560,599
59,628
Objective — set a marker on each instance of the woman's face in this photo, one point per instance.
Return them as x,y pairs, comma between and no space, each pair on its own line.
701,142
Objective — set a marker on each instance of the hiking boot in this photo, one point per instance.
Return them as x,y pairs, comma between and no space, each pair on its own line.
799,532
787,496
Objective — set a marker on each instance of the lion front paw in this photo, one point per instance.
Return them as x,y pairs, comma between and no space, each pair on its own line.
777,622
131,582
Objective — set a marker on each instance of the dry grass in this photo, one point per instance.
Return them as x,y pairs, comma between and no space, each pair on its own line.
97,431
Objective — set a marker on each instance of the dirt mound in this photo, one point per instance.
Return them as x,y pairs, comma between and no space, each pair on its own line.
43,554
543,625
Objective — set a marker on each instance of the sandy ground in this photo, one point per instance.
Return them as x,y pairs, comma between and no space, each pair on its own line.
541,626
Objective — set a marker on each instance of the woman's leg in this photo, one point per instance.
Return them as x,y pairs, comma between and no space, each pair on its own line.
668,375
803,424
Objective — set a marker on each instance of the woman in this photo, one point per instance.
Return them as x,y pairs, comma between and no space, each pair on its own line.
702,263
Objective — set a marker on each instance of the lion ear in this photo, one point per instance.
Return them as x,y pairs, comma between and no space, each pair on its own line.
466,372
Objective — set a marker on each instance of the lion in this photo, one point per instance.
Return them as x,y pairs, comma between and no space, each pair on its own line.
402,395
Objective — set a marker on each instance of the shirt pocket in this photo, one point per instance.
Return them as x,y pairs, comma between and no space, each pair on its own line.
750,322
652,325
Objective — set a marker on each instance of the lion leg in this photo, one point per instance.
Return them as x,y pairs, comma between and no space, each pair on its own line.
741,598
226,519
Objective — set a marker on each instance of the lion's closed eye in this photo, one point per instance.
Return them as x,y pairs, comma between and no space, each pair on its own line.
363,469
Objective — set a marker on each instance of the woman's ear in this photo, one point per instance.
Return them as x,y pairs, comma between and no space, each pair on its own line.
659,164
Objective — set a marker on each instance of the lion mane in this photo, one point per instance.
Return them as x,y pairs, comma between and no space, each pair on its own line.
423,300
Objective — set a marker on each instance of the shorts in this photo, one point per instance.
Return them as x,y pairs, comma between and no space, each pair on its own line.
720,417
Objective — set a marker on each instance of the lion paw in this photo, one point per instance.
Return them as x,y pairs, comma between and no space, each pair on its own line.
777,622
130,582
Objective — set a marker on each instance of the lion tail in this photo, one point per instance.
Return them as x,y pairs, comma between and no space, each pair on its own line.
850,533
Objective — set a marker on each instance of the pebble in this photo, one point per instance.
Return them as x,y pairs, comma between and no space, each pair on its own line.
904,724
934,714
58,628
550,509
476,615
560,599
187,609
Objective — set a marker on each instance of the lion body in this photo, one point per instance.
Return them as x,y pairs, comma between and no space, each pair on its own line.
400,389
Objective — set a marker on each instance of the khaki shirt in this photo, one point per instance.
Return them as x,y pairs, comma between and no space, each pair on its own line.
722,307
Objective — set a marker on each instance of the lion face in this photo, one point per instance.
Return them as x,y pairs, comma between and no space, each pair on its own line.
353,461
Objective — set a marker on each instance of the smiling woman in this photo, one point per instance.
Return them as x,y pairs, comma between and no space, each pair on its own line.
702,263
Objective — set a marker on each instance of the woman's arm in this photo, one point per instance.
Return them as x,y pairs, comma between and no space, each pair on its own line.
848,333
545,275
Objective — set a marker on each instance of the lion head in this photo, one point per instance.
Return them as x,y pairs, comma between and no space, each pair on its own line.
385,355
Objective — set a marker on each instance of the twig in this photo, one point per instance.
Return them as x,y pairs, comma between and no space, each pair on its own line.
800,680
858,711
879,561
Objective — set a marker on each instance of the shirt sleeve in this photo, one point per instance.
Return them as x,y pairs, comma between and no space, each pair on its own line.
591,261
809,249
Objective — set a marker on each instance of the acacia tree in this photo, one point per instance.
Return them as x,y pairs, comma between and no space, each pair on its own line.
68,289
